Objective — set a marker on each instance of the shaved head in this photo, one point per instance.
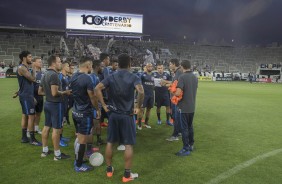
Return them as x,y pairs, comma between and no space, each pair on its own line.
149,67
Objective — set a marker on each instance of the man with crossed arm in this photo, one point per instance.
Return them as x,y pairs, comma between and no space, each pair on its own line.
26,78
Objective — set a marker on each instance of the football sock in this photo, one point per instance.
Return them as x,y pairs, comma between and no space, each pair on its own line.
32,138
109,169
24,130
159,116
45,149
146,120
167,116
139,121
88,146
36,128
76,149
80,155
57,153
127,173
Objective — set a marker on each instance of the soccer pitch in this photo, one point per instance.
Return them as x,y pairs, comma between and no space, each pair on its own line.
238,139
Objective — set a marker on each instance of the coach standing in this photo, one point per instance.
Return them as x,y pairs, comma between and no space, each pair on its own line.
188,84
51,87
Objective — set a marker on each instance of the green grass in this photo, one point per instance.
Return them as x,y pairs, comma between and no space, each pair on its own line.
234,122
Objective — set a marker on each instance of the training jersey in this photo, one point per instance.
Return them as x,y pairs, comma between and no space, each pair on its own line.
121,86
65,81
188,83
70,98
138,74
178,72
69,77
162,91
100,76
38,76
95,79
105,73
26,88
50,78
79,84
111,71
65,85
148,83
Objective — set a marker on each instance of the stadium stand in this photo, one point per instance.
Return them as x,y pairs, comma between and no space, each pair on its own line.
204,56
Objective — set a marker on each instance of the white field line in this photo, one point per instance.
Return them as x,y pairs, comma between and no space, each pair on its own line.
241,166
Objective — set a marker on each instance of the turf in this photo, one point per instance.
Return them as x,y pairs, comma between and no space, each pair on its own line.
234,122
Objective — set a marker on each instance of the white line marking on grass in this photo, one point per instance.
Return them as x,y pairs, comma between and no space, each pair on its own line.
241,166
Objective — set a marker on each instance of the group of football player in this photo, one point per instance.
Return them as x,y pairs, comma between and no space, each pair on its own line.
99,89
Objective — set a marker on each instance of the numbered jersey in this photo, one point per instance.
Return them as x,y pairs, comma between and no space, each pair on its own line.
148,83
162,90
39,75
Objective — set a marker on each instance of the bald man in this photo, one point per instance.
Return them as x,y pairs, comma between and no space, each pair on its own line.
147,79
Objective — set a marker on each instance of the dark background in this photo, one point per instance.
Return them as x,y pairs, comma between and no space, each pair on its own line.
243,21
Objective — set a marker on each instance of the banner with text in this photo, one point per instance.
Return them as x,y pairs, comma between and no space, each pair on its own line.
223,79
103,21
203,78
267,80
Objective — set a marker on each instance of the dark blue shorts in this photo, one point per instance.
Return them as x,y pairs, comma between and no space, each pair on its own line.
39,105
83,122
28,105
162,100
148,102
54,113
121,129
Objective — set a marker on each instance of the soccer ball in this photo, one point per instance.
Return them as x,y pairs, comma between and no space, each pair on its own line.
96,159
